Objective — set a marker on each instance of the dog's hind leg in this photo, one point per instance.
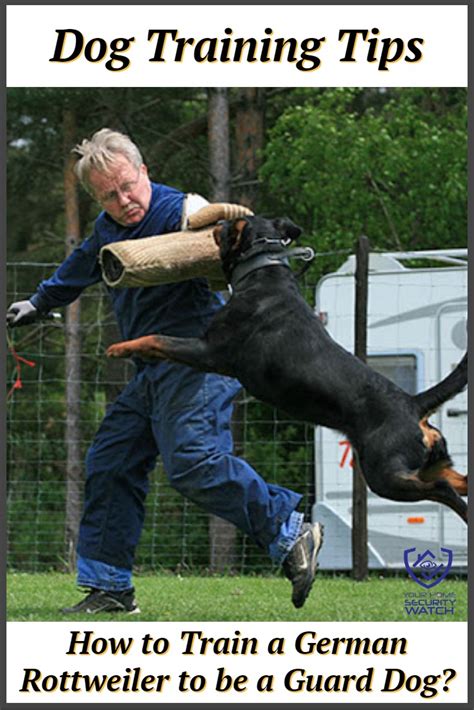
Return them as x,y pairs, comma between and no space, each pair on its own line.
194,352
410,487
457,480
443,492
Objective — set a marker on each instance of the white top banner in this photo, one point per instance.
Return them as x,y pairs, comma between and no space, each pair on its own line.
236,45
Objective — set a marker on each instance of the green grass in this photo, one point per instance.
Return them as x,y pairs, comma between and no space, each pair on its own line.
166,597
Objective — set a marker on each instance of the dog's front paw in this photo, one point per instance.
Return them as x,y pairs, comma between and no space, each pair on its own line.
146,347
119,350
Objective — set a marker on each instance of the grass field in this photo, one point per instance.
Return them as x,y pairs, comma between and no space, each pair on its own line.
165,597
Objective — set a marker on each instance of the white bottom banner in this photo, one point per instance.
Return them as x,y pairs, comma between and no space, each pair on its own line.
404,662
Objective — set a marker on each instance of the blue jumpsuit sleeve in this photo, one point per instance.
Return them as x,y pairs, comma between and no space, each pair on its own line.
80,270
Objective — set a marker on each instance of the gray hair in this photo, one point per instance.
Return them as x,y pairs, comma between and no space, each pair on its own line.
101,152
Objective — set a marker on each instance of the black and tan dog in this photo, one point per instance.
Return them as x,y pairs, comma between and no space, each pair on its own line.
271,340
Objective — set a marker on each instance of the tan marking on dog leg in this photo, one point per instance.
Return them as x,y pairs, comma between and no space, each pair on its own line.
430,434
435,473
455,479
147,346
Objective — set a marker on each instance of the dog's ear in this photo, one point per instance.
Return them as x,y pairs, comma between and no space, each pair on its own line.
287,229
231,238
237,227
216,234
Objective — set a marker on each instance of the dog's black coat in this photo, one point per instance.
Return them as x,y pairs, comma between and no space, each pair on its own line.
271,340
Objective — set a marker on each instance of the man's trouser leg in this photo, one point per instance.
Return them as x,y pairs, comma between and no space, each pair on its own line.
118,463
191,422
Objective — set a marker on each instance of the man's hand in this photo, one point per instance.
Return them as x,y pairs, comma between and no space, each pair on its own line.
22,313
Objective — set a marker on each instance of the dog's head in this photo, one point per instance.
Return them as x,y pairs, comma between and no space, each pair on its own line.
236,237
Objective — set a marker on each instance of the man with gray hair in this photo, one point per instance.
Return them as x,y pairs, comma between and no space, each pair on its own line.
166,409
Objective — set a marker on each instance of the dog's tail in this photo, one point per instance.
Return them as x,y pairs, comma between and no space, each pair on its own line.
454,383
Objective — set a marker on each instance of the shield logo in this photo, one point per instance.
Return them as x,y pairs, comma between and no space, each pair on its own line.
425,569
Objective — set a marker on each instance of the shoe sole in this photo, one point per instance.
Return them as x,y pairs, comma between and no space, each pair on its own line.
317,532
69,612
113,611
110,605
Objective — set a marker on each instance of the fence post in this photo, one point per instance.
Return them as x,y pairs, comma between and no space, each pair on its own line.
222,533
359,489
72,356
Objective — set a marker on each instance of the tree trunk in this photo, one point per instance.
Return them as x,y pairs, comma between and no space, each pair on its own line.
249,138
219,149
249,141
72,354
222,534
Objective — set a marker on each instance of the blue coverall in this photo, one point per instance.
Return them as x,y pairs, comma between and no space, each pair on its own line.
166,409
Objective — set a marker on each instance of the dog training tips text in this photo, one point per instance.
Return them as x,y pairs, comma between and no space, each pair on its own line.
168,45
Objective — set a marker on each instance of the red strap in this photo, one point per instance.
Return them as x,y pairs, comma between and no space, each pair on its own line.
17,385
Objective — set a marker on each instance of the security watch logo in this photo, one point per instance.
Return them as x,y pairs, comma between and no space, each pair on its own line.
425,568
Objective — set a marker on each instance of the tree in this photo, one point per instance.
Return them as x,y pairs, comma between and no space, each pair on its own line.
396,171
219,154
72,352
249,143
222,534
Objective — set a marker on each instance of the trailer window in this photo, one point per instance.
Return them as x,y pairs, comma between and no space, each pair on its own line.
401,369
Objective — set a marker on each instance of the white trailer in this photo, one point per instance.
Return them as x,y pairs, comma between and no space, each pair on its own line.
417,333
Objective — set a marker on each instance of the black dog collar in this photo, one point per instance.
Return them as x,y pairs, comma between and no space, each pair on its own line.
259,261
267,258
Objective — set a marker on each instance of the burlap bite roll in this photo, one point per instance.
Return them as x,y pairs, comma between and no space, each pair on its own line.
169,258
214,212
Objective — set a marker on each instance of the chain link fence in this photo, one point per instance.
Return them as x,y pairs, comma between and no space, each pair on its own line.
176,534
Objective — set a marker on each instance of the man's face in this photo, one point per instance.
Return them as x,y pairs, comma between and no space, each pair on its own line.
124,192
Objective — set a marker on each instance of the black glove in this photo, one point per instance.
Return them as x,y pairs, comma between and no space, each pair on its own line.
22,313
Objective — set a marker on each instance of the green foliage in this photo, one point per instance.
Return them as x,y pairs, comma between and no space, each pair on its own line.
36,152
396,171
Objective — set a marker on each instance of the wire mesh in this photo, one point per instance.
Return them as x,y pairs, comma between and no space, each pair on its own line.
176,534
